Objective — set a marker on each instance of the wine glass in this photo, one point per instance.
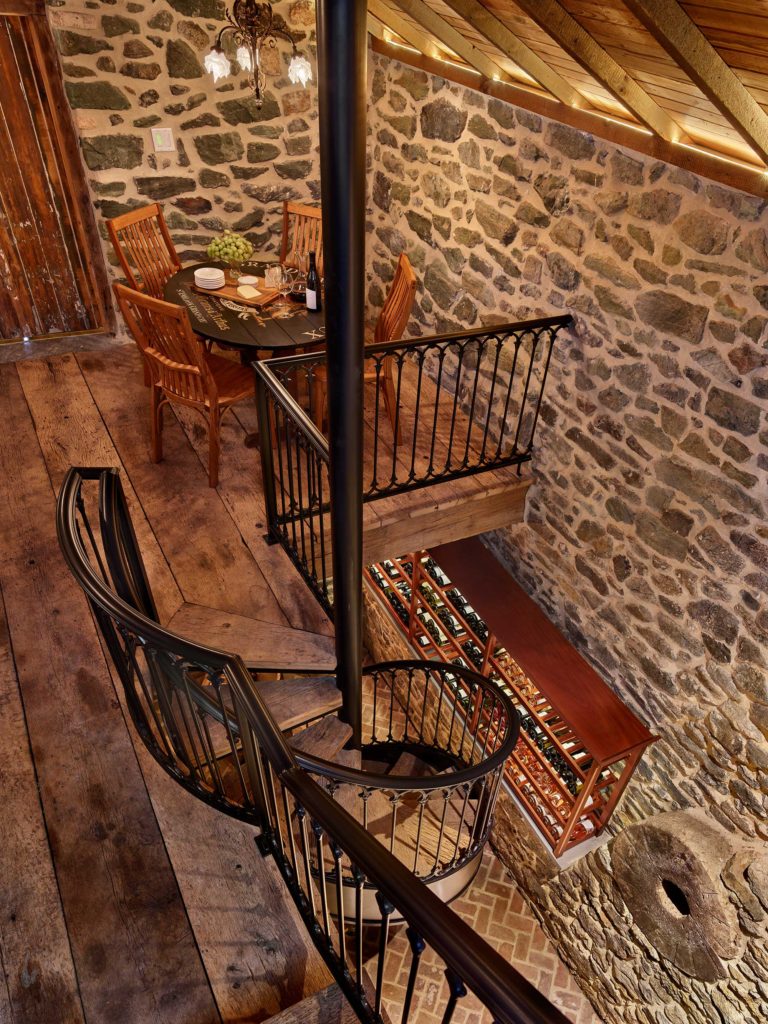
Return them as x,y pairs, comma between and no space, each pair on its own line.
286,284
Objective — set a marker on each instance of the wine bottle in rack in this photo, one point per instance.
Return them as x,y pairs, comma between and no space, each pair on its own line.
314,302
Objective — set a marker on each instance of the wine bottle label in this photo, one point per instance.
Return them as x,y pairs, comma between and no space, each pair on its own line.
311,299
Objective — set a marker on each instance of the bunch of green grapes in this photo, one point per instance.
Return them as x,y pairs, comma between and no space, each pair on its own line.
230,247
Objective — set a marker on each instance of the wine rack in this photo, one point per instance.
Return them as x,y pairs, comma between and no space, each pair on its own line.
566,789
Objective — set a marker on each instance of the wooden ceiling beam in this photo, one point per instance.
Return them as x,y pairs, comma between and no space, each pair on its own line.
406,31
733,173
674,30
444,33
496,32
550,16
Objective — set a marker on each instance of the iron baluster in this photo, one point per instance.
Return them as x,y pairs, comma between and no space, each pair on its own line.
418,945
531,359
462,347
471,412
408,698
305,856
439,709
423,799
321,516
387,909
289,830
359,880
400,359
300,500
457,991
416,417
518,343
289,429
340,922
376,418
266,441
278,412
318,831
394,799
438,386
494,378
544,375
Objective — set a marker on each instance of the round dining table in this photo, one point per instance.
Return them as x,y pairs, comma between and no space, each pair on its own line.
284,327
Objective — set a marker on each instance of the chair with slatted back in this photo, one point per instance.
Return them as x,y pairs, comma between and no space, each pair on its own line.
302,234
392,321
181,370
144,248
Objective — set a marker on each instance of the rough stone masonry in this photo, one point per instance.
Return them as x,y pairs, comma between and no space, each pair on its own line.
646,537
129,67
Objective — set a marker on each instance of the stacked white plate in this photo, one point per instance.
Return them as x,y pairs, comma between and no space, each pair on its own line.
209,277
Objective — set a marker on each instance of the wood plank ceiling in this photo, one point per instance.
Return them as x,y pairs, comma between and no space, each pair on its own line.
684,81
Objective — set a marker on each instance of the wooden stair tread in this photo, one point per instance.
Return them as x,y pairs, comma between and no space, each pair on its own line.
322,739
410,764
326,1007
257,642
346,795
296,701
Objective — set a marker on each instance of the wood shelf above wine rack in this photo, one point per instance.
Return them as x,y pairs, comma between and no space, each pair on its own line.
579,744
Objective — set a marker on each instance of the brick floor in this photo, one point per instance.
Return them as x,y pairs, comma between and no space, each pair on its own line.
497,911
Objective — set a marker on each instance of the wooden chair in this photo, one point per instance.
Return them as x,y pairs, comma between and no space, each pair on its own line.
302,234
392,321
181,370
144,248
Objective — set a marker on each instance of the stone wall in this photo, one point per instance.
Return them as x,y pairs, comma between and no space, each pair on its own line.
646,538
131,66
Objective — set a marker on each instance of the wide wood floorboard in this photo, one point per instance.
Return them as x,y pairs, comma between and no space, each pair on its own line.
71,432
36,968
241,491
132,945
139,903
211,563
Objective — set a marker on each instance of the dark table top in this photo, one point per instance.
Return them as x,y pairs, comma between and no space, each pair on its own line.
280,328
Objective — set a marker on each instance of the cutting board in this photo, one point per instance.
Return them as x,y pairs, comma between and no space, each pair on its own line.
229,291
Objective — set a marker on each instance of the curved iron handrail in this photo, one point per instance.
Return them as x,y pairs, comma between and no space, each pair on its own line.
470,774
469,959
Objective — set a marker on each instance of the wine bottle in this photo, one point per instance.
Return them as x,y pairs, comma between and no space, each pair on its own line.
314,302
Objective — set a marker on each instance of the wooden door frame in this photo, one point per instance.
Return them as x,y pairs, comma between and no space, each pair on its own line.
67,140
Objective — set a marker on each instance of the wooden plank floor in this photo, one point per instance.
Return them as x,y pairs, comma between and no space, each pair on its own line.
123,898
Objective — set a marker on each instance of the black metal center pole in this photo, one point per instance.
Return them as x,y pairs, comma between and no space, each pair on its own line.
342,56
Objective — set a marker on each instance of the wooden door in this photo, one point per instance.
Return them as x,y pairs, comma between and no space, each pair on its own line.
52,277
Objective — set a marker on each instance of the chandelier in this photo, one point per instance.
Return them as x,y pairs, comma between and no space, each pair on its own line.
252,26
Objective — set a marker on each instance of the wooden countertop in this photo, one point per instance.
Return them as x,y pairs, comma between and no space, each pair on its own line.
595,713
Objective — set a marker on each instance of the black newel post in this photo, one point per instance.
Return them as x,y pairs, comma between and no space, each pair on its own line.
342,52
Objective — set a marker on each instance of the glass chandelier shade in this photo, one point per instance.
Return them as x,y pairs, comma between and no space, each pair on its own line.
251,26
299,70
217,64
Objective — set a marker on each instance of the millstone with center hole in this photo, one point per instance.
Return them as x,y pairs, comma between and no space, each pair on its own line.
668,871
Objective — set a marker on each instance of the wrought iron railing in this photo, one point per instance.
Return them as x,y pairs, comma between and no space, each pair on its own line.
199,714
446,732
295,468
436,409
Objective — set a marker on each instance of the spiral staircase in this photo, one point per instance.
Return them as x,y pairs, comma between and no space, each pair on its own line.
364,836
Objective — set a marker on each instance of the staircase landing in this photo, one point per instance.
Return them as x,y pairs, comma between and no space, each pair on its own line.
443,512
